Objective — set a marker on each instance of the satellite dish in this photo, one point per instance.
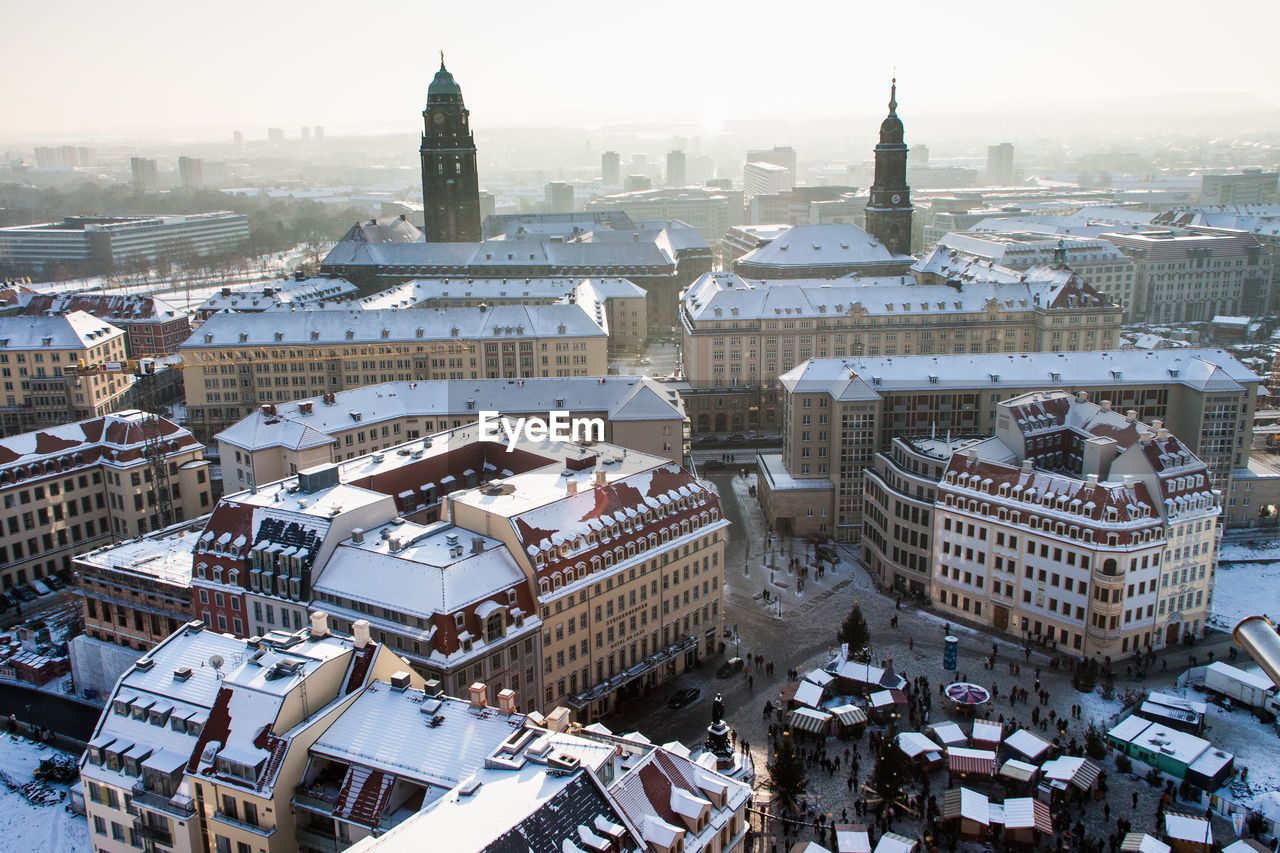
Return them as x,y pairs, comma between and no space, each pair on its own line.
216,661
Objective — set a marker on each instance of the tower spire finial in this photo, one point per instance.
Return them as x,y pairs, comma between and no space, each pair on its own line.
893,95
442,60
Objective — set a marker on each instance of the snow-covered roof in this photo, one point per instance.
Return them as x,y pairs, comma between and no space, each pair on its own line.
1029,744
326,328
915,743
77,330
808,693
833,244
948,733
1140,842
986,731
1188,828
166,557
1179,746
867,378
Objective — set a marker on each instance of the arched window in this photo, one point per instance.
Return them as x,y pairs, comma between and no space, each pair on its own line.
495,626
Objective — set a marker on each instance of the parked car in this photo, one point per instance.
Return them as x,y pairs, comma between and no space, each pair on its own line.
24,593
40,588
54,582
730,667
737,436
7,601
685,697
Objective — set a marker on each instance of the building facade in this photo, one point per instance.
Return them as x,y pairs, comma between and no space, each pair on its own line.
73,487
1190,278
40,359
152,326
1078,527
840,413
237,362
450,182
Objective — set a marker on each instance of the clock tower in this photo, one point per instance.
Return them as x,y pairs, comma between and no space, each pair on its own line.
450,186
889,208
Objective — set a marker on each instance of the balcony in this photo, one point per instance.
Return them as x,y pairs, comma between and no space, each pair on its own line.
178,806
155,834
311,837
223,817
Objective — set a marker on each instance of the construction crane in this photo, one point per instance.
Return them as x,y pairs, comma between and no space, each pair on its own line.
153,445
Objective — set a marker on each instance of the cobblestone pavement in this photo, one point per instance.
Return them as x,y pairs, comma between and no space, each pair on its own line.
803,637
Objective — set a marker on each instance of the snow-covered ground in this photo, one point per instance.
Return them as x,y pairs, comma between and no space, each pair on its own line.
28,827
1245,589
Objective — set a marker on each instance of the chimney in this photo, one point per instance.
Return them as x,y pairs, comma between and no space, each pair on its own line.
1026,464
507,700
400,680
1130,480
572,486
558,720
1162,433
319,625
477,693
1131,414
360,632
1105,404
433,689
477,544
357,535
601,477
1157,424
1082,396
1091,479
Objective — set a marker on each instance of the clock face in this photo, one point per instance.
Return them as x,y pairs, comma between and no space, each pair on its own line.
895,198
438,118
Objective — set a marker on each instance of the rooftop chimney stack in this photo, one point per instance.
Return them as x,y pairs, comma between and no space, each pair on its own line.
601,478
360,633
572,486
507,700
477,693
319,625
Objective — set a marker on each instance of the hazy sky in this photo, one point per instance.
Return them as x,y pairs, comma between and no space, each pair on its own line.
89,69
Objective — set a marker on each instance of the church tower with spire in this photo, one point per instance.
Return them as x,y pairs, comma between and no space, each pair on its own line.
889,208
450,185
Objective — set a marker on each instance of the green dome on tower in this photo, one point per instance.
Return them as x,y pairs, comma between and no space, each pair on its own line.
443,84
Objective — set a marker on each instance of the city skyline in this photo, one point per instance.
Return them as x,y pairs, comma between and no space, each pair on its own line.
206,86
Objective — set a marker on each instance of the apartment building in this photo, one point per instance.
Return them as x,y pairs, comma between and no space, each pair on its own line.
300,291
1107,269
1197,277
73,487
237,362
708,210
204,739
153,326
838,414
1079,527
572,573
38,366
740,335
278,440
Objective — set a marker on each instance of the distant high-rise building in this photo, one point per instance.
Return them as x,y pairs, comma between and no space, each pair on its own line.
784,156
761,177
450,184
306,133
275,134
559,197
1250,186
888,216
86,156
611,169
70,156
47,158
1000,164
318,132
488,205
146,175
676,176
920,155
635,183
191,172
237,138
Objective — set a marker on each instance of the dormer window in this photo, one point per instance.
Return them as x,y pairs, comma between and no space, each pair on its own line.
460,621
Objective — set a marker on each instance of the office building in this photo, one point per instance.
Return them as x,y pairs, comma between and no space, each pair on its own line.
711,212
1249,186
237,138
73,487
778,155
840,413
1079,527
97,244
761,178
146,175
559,197
237,362
39,366
278,440
1197,277
275,135
1096,260
318,132
1000,164
677,175
611,169
739,335
191,173
637,183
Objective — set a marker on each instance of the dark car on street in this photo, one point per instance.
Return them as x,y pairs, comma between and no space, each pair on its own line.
55,583
24,593
729,667
685,697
